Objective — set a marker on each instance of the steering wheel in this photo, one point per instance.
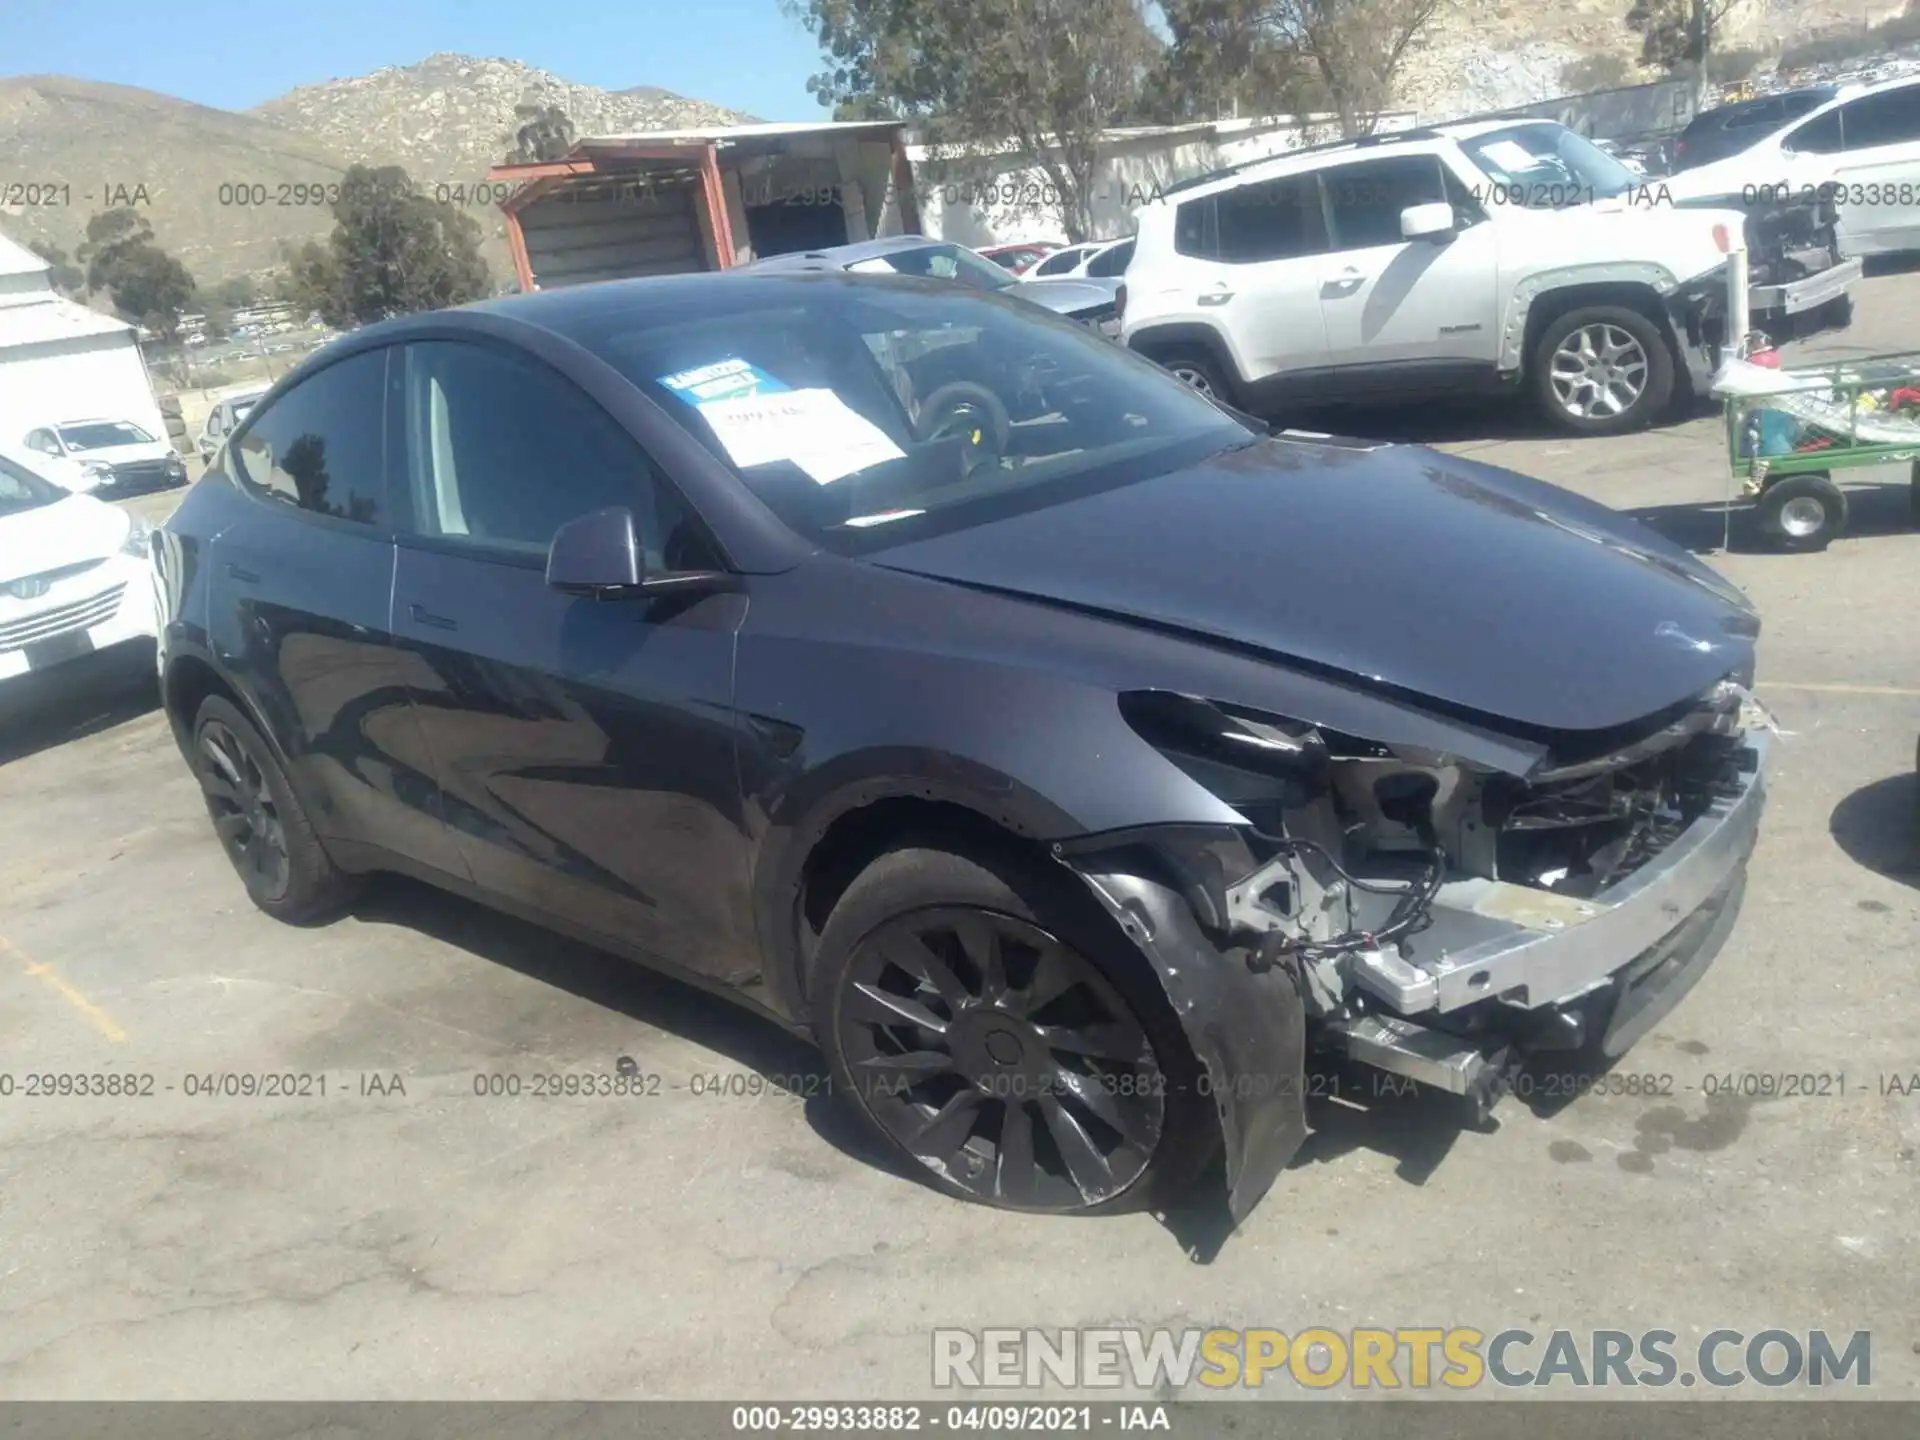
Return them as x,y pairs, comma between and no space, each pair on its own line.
970,413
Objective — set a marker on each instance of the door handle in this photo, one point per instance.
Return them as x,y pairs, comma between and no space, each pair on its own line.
1346,280
1216,297
426,617
245,577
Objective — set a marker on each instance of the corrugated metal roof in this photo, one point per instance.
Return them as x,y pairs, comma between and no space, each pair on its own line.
18,260
51,319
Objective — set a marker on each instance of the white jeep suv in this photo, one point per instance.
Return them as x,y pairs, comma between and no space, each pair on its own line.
1490,254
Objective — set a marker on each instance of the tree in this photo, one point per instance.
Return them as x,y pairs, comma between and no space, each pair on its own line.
1224,59
146,284
393,251
1046,77
67,278
1355,46
219,317
544,133
1678,35
236,292
1594,72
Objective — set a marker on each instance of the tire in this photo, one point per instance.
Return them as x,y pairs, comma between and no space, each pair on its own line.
1098,1135
1802,512
1198,370
1614,337
259,821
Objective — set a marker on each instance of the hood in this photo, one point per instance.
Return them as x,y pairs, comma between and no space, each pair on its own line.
1069,296
68,532
125,454
1399,567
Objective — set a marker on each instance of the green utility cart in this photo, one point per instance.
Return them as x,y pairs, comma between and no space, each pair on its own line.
1790,431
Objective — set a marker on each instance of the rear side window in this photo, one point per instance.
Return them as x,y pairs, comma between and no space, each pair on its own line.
1365,200
321,446
1273,220
1112,262
1059,264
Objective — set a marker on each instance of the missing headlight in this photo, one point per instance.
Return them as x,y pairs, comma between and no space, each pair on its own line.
1258,765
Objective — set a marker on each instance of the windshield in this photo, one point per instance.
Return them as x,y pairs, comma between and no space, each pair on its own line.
21,489
869,413
1545,166
99,434
937,262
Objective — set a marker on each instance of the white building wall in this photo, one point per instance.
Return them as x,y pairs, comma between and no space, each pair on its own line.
81,378
995,200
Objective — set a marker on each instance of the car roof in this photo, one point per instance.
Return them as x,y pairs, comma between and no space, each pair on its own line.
1274,166
1721,113
844,255
93,420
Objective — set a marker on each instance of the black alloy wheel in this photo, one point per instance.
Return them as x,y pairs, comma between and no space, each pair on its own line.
1001,1058
246,816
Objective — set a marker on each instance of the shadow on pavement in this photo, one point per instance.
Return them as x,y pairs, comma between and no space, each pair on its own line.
42,709
1461,419
1878,827
1873,511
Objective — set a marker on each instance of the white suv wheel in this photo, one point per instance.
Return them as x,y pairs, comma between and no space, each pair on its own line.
1599,371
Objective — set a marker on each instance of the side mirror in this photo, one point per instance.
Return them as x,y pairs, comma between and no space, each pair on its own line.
596,554
1427,222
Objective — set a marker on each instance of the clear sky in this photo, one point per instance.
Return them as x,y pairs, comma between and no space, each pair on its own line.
748,54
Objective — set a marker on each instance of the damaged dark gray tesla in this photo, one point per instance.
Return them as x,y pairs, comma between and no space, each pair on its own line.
1068,756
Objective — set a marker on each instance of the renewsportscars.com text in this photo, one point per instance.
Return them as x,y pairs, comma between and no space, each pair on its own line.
1413,1358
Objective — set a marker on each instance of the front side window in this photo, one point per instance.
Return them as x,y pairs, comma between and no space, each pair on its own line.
102,434
1890,118
1819,136
321,446
867,415
43,441
1059,264
1273,220
1364,201
501,451
1545,166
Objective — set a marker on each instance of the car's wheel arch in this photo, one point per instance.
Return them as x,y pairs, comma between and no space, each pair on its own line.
817,844
1536,311
1155,341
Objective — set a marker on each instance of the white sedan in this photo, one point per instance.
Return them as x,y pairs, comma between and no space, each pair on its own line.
74,574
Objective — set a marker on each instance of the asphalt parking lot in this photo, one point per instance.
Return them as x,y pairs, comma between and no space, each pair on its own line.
401,1236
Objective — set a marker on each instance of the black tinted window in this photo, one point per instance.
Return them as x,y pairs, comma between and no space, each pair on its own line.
1270,221
1889,118
1193,228
1365,200
321,446
1819,136
503,451
1112,262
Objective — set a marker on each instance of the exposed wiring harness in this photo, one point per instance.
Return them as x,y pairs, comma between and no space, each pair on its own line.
1412,911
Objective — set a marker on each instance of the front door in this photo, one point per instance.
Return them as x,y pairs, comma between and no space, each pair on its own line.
1400,307
1878,172
300,589
585,747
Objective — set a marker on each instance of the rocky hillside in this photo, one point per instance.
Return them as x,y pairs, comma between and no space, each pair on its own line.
218,185
450,117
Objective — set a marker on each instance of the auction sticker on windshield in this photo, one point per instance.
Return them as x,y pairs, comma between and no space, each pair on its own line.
721,380
814,429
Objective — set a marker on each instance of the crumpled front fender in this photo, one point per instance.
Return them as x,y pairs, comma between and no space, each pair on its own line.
1247,1030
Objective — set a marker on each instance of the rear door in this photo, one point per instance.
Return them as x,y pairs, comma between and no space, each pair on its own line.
585,747
1879,172
1256,254
1396,305
300,593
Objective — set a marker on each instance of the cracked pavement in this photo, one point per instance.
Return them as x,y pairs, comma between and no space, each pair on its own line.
402,1237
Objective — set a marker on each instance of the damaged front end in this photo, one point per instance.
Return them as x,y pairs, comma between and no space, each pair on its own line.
1435,916
1795,269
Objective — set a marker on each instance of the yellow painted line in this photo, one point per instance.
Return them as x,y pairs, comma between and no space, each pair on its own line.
1906,691
102,1021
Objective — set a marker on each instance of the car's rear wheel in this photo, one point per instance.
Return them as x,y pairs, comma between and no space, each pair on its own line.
997,1035
259,820
1603,370
1197,370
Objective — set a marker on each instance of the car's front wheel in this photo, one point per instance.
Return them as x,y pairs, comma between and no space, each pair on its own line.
259,820
1603,370
995,1033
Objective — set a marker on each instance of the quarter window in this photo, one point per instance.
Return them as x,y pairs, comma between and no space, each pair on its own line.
321,446
502,451
1890,118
